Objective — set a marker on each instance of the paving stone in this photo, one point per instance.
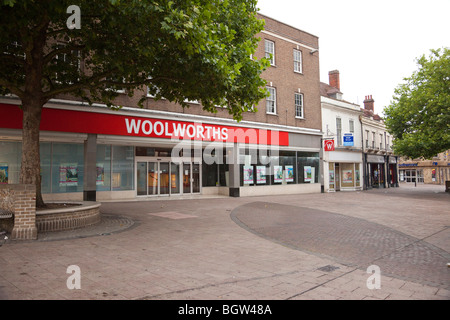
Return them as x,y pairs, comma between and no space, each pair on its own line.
198,249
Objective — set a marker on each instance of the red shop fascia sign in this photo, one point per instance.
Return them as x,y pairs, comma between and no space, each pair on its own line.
108,123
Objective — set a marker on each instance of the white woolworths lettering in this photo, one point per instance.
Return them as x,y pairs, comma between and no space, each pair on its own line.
132,126
155,128
190,135
146,124
224,134
179,130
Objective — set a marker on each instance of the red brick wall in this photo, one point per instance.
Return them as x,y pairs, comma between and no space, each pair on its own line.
22,202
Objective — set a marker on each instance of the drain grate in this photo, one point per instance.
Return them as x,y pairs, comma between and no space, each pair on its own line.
328,268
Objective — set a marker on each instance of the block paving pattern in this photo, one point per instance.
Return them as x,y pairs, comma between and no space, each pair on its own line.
142,250
348,240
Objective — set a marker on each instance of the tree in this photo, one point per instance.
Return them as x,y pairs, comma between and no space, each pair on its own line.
182,50
419,116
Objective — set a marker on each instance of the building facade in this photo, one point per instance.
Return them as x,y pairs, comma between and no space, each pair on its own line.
95,153
342,153
380,163
434,171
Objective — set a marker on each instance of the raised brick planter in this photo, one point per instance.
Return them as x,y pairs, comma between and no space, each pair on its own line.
81,215
18,213
18,209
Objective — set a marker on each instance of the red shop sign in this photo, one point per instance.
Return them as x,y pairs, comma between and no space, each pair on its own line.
329,145
78,121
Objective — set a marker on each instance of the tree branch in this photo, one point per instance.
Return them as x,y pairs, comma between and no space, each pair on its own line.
66,49
14,89
80,85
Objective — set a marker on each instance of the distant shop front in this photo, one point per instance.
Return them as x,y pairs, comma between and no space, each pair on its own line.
427,171
381,171
342,169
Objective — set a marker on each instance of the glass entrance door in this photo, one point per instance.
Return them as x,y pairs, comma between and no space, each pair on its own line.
186,178
164,182
159,177
152,178
191,177
195,178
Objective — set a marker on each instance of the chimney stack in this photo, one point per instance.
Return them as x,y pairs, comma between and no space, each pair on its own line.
333,77
368,103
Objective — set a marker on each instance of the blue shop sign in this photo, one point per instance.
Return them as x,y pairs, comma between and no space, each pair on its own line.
348,139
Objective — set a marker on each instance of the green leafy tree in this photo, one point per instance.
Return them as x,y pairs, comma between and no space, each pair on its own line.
182,50
419,116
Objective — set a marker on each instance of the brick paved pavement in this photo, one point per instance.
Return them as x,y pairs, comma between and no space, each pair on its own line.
193,249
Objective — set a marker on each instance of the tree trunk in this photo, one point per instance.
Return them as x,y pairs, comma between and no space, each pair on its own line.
30,172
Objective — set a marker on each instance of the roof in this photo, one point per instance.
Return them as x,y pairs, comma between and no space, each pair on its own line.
371,114
327,91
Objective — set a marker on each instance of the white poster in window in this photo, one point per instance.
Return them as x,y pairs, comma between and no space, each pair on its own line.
248,174
308,177
331,176
68,175
347,176
278,174
100,174
261,175
3,173
289,171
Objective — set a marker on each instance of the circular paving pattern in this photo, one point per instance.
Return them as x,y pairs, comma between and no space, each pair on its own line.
347,240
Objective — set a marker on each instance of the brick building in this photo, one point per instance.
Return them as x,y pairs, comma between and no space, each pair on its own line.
380,163
342,155
92,152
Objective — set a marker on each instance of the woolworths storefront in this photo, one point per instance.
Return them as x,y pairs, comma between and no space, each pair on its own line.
95,153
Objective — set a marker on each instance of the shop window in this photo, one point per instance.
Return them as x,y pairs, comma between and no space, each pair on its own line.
248,159
46,162
103,180
331,176
347,175
224,175
286,171
210,175
122,168
10,159
67,167
255,167
308,167
357,175
215,169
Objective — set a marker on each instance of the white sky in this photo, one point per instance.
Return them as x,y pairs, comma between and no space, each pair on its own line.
373,44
